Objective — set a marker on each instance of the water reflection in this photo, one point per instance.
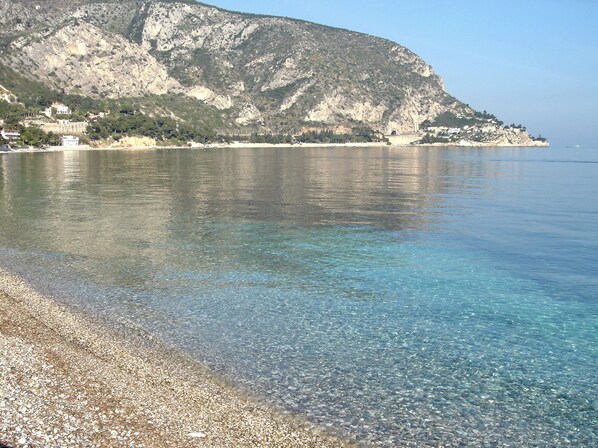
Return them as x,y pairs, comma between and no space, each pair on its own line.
120,217
382,187
342,283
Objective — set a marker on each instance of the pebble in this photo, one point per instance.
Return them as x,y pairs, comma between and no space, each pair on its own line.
70,384
197,435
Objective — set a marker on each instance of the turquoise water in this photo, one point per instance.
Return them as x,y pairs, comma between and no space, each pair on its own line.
407,297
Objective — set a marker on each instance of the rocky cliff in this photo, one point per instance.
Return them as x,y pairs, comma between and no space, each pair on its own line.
250,71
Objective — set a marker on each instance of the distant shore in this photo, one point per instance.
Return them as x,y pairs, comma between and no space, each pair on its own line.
198,146
66,380
273,145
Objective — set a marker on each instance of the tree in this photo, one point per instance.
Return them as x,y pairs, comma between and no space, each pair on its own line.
52,139
32,136
133,123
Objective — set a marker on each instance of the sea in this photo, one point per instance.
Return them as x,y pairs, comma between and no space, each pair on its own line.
401,296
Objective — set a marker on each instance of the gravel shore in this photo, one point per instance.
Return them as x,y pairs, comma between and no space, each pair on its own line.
68,381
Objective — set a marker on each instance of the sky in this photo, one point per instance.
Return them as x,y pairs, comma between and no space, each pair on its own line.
529,62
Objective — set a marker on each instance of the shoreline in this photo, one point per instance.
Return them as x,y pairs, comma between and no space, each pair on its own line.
198,146
69,380
269,145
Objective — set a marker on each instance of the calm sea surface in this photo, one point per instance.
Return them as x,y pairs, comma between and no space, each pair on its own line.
404,296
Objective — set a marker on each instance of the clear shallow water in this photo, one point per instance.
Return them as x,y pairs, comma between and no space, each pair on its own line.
405,296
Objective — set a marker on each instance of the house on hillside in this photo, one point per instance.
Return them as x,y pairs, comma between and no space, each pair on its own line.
98,116
61,109
70,141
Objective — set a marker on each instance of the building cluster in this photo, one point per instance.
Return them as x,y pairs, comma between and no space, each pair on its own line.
60,126
444,131
11,136
482,132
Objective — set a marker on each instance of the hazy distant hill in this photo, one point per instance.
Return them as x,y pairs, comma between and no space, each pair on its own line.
184,58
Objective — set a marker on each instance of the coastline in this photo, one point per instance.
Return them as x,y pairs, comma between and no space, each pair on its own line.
67,380
472,145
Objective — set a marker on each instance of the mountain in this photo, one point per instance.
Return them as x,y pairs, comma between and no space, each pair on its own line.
245,72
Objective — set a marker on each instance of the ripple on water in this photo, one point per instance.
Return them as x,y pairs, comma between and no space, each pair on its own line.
398,296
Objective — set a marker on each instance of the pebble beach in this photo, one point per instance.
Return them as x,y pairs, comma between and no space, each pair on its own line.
68,381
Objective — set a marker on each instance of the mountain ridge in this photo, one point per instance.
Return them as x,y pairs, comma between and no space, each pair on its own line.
255,72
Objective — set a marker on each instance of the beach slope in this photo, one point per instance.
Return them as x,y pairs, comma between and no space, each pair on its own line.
68,381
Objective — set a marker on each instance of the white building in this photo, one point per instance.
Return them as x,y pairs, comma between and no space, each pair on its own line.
70,140
10,135
61,109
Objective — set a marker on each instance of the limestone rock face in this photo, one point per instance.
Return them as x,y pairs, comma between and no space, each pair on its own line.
249,114
85,59
515,137
267,73
209,96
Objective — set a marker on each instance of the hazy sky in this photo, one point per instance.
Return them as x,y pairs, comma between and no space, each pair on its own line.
533,62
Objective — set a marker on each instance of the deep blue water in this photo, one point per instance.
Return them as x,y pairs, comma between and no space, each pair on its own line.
407,297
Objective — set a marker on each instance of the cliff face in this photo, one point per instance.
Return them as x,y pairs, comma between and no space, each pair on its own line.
267,72
82,57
